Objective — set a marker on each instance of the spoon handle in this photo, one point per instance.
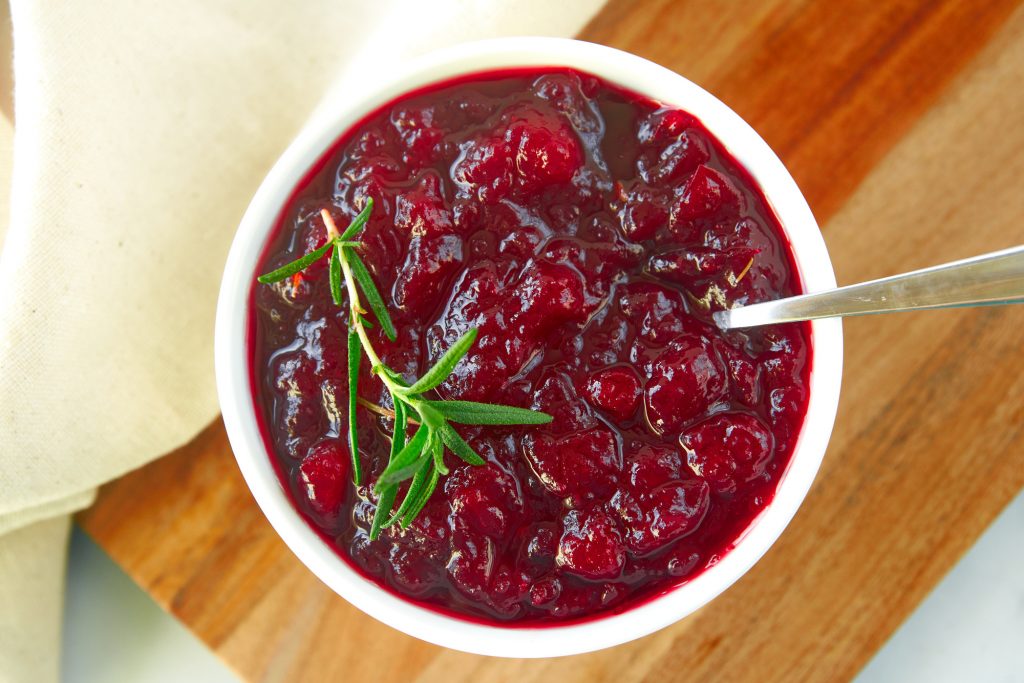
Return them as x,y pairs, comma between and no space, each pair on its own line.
986,280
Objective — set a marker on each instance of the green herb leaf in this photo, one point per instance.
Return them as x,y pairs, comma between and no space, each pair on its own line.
384,505
457,445
421,500
354,358
400,474
401,421
445,364
395,377
407,461
373,297
358,222
295,266
389,493
473,413
415,491
439,456
336,275
429,416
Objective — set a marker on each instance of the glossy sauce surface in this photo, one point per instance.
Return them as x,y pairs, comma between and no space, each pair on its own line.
588,233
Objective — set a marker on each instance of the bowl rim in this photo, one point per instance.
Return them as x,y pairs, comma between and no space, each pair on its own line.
331,120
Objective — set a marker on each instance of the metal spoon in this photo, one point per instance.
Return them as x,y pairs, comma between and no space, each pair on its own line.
986,280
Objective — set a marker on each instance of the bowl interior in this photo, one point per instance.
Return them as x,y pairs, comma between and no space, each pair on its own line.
332,120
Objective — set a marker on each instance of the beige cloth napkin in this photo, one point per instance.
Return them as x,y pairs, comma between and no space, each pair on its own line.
142,130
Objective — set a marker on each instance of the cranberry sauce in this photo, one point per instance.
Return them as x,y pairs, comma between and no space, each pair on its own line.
589,233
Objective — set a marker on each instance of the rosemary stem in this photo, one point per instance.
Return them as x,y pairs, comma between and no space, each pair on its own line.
381,410
355,307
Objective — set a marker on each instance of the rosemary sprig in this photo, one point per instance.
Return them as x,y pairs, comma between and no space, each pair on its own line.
419,460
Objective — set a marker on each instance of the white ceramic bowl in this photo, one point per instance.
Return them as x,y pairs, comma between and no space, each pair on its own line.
238,407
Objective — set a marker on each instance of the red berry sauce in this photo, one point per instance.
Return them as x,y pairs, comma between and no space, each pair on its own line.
588,233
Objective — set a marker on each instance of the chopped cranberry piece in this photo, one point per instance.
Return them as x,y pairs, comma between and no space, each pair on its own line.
420,136
677,160
728,449
298,405
744,374
506,592
655,519
557,397
531,151
541,544
421,211
656,311
411,570
696,266
651,466
591,545
616,391
680,560
522,242
323,477
665,125
545,590
579,465
644,212
566,94
545,151
471,562
485,170
707,193
547,295
686,379
431,261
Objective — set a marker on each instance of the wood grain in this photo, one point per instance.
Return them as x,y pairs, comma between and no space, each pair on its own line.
901,127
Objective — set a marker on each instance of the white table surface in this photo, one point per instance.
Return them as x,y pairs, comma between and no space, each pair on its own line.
971,628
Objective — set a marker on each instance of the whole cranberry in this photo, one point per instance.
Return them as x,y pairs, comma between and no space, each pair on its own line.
486,498
323,477
686,379
591,545
615,390
728,449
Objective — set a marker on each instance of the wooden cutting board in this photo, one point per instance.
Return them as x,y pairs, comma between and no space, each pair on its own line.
901,121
